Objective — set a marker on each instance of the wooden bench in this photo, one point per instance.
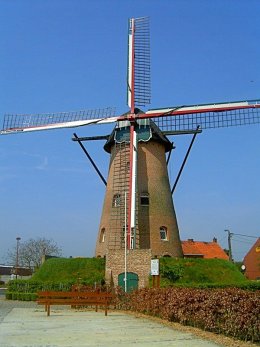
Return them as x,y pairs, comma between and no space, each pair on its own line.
96,299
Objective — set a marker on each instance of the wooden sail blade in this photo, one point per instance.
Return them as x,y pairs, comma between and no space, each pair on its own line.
218,115
25,123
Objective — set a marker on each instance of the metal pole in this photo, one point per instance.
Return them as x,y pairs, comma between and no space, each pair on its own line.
185,159
91,160
17,255
125,247
169,155
229,245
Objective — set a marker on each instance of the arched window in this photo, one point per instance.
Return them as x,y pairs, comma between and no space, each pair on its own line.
163,233
102,235
144,199
116,200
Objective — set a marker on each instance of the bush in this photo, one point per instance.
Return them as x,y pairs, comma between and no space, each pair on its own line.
232,312
173,272
21,296
17,287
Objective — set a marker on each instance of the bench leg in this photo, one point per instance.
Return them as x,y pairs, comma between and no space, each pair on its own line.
48,310
96,308
106,310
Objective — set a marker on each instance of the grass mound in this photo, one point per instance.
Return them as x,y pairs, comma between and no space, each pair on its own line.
194,271
85,270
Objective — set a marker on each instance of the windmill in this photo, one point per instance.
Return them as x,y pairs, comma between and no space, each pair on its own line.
138,212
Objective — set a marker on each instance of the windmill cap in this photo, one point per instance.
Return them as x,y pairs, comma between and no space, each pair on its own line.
146,131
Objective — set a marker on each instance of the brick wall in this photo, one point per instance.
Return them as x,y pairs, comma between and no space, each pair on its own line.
138,261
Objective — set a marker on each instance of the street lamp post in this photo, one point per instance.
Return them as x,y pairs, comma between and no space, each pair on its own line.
229,245
17,255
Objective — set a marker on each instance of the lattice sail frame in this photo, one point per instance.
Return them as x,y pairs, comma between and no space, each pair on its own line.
33,122
207,116
139,76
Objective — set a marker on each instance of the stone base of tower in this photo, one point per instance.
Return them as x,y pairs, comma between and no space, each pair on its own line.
138,262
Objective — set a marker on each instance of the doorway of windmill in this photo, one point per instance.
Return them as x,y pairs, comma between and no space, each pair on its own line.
132,280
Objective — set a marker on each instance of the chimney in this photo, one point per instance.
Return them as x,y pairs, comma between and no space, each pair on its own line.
215,239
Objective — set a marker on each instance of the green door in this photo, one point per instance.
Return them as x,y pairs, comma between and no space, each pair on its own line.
131,283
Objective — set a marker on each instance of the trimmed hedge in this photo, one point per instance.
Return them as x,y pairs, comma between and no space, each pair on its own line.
249,285
20,289
232,312
21,296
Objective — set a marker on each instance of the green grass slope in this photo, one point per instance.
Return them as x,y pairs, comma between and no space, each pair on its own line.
194,271
173,271
86,270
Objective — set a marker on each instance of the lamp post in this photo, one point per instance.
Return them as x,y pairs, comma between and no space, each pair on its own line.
229,244
17,255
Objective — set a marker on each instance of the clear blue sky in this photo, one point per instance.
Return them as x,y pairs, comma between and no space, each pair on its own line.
63,55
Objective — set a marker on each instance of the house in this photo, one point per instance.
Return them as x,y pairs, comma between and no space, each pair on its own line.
200,249
252,262
9,271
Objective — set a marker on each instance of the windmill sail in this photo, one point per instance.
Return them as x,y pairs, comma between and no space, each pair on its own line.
14,123
207,116
138,81
138,94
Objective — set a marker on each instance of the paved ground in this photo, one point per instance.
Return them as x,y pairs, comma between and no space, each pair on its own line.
26,325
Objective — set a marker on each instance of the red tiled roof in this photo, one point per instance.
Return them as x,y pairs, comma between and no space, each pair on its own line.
206,249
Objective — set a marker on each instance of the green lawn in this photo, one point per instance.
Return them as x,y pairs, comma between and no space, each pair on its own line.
85,270
194,271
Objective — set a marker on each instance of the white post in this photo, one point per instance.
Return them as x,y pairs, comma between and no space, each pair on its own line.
125,246
133,198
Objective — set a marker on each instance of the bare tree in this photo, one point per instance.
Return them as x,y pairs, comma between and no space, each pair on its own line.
32,251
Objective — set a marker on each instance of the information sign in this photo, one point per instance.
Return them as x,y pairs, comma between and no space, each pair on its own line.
155,267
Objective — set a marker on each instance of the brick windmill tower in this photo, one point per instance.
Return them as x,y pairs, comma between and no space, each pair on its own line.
155,226
138,220
154,230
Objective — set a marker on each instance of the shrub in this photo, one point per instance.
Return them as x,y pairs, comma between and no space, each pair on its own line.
173,272
232,312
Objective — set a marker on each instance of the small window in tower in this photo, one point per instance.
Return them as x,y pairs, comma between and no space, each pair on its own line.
116,200
144,199
163,233
102,235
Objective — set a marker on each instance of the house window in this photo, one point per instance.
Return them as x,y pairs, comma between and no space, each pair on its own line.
144,199
163,233
116,200
102,235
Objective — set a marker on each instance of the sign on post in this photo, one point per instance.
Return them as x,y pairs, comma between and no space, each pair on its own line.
155,267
